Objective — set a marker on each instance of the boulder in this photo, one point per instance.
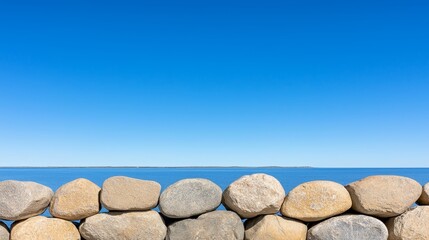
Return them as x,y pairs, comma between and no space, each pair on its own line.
253,195
273,227
4,231
76,200
411,225
124,226
424,198
349,227
217,225
42,228
21,200
384,195
316,200
190,197
124,194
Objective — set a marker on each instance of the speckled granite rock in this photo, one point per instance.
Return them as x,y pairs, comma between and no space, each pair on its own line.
42,228
273,227
411,225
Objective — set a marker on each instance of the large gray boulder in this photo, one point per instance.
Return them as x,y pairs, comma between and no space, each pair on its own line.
411,225
190,197
349,227
146,225
217,225
76,200
125,194
273,227
4,231
253,195
424,198
21,200
43,228
384,195
316,200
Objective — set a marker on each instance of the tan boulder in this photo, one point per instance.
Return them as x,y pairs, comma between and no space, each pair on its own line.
424,198
316,200
411,225
273,227
43,228
253,195
76,200
384,195
124,226
4,231
124,193
21,200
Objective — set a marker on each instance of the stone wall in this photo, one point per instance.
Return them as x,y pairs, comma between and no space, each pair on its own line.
376,207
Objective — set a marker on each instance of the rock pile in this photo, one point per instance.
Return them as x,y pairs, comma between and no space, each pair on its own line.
373,208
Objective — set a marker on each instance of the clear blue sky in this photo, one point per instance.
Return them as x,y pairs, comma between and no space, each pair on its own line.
249,83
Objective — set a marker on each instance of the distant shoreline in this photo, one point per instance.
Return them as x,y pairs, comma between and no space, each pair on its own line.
152,167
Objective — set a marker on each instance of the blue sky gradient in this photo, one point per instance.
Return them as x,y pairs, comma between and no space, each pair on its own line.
214,83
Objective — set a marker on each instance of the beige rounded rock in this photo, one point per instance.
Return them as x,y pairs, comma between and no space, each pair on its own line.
76,200
20,200
124,226
4,231
253,195
124,194
316,200
424,198
42,228
384,195
411,225
273,227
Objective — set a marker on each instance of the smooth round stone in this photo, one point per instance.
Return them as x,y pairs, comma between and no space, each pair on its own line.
316,200
124,194
253,195
424,198
42,228
124,226
217,225
412,225
384,195
4,231
21,200
190,197
273,227
349,227
76,200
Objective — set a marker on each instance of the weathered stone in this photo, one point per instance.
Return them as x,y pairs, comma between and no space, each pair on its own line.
76,200
124,193
273,227
4,231
124,226
424,198
42,228
349,227
190,197
21,200
316,200
384,195
411,225
253,195
217,225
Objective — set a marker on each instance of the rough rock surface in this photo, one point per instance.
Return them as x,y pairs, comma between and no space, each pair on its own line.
190,197
253,195
42,228
349,227
424,198
316,200
411,225
21,200
273,227
146,225
4,231
384,195
124,193
76,200
217,225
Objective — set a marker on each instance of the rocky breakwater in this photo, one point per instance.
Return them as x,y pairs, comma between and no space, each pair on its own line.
257,208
